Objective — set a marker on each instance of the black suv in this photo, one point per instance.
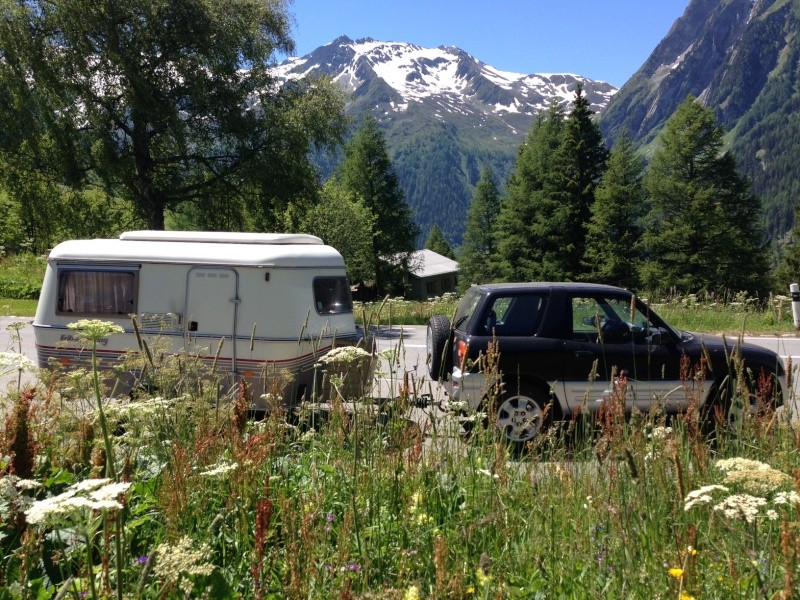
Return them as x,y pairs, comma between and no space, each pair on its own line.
574,345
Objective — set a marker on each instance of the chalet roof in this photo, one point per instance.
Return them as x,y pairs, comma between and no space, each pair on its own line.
427,263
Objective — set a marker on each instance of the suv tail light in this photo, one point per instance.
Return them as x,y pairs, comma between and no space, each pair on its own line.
461,352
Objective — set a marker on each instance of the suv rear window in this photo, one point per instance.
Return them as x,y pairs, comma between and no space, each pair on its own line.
332,295
465,309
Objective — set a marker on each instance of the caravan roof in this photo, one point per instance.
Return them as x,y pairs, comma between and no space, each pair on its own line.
202,247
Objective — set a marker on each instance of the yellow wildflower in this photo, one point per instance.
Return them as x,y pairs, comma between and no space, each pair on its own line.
685,596
416,500
676,572
412,593
482,577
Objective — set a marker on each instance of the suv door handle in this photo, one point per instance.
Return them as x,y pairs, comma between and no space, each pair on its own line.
584,354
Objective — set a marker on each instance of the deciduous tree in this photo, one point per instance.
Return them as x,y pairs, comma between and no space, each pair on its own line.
343,221
162,102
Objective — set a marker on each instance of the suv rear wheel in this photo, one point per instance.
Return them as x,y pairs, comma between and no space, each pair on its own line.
522,417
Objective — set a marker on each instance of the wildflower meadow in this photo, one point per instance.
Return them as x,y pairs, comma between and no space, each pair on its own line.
169,491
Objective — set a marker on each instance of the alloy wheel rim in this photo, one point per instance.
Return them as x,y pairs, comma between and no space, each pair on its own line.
519,418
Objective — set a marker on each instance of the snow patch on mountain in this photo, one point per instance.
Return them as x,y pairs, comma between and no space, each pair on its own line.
454,80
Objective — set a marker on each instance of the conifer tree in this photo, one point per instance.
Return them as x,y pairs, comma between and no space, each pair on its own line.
367,171
612,241
788,269
478,254
704,229
437,242
542,225
529,214
579,165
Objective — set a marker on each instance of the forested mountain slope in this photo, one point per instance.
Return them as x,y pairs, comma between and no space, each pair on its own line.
741,58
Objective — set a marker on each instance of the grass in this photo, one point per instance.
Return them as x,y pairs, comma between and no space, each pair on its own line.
21,277
17,307
733,319
382,500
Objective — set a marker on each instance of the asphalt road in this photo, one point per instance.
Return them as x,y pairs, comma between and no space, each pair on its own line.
408,341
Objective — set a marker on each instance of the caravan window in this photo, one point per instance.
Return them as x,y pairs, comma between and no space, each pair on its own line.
332,295
96,291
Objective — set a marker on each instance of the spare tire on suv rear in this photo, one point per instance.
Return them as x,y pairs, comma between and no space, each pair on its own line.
439,355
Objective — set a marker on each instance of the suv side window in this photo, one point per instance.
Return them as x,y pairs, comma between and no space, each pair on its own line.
514,316
608,320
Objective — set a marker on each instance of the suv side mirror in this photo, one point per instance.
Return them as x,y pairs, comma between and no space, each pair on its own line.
658,336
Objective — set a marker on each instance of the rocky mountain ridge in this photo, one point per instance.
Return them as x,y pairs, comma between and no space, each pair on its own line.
741,57
452,81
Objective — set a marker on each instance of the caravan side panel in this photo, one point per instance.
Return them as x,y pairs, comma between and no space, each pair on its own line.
261,313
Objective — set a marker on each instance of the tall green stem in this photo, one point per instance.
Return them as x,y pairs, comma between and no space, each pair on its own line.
90,565
111,471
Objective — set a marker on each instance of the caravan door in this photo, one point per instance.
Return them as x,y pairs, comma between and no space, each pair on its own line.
212,299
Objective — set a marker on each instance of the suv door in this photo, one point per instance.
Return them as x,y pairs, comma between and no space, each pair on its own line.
513,320
611,338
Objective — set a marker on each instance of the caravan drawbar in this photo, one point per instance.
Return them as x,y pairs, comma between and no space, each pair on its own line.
252,304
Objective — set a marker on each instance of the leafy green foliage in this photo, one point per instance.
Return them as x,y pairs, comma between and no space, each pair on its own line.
154,101
21,275
343,221
36,214
12,235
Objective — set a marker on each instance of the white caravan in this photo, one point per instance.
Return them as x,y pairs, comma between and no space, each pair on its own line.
252,304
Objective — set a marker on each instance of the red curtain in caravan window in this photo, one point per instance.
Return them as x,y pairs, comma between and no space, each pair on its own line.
96,292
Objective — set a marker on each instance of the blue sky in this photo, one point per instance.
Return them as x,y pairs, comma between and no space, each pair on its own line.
600,39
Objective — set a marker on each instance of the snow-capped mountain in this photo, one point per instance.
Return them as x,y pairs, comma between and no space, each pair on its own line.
449,80
446,115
